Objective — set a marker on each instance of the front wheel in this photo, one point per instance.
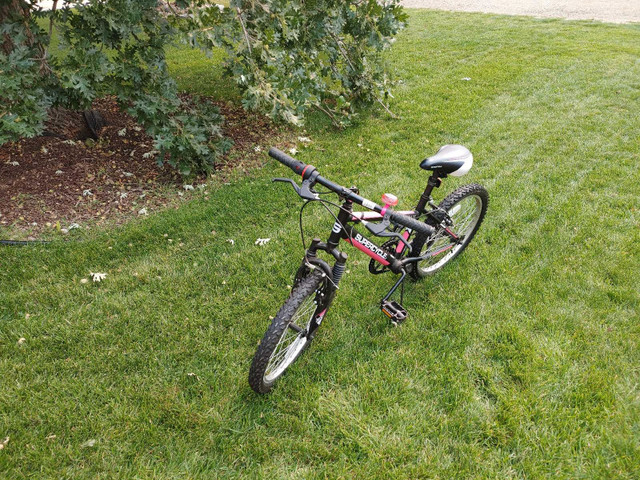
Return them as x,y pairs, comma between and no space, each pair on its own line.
465,207
290,332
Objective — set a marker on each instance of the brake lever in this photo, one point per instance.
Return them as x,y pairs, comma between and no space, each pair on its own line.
304,191
378,229
288,180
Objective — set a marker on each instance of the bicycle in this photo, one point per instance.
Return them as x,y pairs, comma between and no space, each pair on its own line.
421,242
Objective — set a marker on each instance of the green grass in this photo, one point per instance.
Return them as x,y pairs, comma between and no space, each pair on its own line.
520,360
195,72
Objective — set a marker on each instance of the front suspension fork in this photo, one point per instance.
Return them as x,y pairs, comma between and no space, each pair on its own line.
311,261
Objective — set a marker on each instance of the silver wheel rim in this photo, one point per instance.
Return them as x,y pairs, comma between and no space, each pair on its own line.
291,342
465,215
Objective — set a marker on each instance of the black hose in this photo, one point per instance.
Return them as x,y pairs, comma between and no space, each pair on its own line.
21,243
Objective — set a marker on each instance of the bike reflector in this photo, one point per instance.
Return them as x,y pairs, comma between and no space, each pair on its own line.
390,199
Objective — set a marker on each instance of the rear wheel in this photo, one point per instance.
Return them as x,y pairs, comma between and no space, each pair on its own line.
288,335
466,207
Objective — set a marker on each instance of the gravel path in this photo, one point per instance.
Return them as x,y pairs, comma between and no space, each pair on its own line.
617,11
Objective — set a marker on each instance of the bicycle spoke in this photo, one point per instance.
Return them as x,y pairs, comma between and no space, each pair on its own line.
464,217
441,247
289,343
306,310
280,351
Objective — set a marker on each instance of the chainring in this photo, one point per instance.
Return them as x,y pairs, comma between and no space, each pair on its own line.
377,268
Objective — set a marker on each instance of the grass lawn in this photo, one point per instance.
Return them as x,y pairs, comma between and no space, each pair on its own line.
519,360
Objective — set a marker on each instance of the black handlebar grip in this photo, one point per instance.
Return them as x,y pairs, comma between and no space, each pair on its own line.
411,223
295,165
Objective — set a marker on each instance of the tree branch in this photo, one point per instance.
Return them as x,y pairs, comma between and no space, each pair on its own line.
393,115
246,34
53,11
346,57
342,50
328,114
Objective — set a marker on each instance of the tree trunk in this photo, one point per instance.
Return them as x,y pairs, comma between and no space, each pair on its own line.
13,10
20,11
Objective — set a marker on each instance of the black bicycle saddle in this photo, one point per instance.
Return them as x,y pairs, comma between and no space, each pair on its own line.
454,160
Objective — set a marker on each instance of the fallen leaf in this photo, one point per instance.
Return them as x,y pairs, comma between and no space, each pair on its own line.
98,277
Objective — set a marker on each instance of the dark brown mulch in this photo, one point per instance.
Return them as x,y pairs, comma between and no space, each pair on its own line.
55,181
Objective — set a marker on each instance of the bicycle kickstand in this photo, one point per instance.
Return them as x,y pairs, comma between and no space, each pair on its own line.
392,309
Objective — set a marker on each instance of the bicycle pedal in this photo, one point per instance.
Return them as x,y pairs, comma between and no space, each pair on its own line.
396,312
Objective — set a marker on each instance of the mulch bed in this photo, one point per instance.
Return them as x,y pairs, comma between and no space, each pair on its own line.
54,180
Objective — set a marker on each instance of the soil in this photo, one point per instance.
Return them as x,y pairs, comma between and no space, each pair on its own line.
56,180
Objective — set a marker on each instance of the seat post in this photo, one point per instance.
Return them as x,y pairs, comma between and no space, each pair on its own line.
434,182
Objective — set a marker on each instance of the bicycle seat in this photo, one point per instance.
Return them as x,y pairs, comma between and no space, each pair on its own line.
454,160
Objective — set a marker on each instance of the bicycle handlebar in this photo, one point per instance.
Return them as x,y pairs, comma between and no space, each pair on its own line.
303,169
411,223
295,165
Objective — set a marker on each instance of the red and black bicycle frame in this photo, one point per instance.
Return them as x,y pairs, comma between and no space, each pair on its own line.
344,230
393,260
